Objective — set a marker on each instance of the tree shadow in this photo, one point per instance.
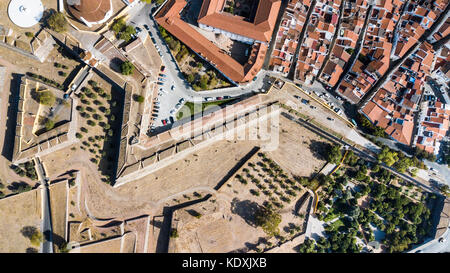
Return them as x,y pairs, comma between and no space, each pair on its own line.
28,231
14,186
31,250
319,149
246,209
115,64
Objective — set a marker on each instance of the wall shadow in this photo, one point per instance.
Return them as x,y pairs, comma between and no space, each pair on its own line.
11,122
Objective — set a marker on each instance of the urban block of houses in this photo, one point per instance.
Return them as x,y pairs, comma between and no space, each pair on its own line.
257,31
317,41
352,23
374,58
433,125
291,25
395,105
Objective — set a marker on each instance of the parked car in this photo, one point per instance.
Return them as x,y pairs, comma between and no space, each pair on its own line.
172,111
173,87
146,27
226,97
163,68
171,120
182,100
164,122
332,119
219,98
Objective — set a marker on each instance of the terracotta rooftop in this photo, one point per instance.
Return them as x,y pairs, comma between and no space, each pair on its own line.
260,29
169,18
90,10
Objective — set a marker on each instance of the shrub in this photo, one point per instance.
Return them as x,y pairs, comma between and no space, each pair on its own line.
57,22
127,68
47,98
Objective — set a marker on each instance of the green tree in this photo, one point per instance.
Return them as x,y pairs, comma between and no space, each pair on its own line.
47,98
36,238
57,22
334,154
49,124
268,219
127,32
127,68
387,156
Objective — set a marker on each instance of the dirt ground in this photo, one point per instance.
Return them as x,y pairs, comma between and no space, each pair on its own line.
14,219
294,152
58,201
227,221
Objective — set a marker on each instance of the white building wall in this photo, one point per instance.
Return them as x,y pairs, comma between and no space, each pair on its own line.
230,35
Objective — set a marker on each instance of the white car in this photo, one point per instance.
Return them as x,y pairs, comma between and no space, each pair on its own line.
172,111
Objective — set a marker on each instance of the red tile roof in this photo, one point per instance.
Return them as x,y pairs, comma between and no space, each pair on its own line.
260,29
169,18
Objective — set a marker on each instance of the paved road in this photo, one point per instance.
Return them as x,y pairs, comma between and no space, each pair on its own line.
46,226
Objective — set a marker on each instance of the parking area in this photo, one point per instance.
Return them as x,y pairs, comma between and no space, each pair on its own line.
166,100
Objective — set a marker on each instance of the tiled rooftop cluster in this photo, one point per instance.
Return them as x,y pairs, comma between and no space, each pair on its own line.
288,34
393,107
352,23
418,16
433,125
373,60
317,41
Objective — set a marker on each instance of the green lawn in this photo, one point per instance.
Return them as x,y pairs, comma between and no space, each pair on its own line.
188,108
